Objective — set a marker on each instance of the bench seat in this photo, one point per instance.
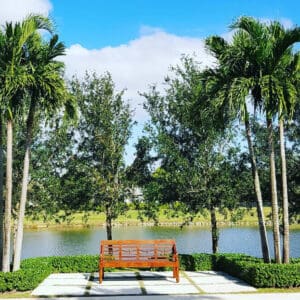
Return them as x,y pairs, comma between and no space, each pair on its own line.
138,254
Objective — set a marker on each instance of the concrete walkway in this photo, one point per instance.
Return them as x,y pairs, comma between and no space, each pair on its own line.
140,283
152,286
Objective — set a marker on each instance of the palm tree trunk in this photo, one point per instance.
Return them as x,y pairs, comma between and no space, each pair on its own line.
285,202
8,200
1,192
259,202
23,199
214,230
274,199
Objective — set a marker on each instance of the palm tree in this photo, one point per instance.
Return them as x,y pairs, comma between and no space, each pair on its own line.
47,92
14,77
230,83
289,79
272,43
2,44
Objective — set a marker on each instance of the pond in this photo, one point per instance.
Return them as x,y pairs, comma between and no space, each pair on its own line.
189,240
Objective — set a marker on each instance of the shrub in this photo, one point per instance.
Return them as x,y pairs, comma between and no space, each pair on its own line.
196,262
34,270
250,269
79,263
23,280
257,273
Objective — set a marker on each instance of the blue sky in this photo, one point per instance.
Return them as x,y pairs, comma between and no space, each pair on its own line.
138,40
99,23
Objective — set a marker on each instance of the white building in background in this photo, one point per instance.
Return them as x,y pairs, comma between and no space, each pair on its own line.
136,195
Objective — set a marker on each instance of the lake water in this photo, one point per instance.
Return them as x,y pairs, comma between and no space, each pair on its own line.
188,240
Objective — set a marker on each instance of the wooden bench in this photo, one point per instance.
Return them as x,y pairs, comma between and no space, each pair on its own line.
138,254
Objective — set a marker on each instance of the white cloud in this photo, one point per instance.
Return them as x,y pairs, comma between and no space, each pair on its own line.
287,23
17,10
138,64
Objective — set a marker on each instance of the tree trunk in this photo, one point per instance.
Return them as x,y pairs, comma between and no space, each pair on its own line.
214,229
108,223
1,192
285,202
23,199
259,202
8,200
275,218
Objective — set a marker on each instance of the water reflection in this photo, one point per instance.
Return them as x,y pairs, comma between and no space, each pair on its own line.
188,239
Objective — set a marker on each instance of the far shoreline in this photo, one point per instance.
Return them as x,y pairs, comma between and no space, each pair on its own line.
166,217
74,226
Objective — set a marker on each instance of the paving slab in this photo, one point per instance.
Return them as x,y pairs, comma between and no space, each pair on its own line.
115,290
69,275
218,282
171,289
150,274
165,281
61,290
63,285
117,279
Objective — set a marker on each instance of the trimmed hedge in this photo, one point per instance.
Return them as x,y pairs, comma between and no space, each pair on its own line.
75,264
34,270
250,269
257,273
196,262
23,280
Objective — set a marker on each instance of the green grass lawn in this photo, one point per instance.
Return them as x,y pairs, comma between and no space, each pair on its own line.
165,217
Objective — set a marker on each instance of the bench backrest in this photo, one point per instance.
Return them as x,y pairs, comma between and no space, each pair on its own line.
137,249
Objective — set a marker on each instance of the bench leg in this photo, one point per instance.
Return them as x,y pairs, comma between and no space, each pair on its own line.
176,273
101,274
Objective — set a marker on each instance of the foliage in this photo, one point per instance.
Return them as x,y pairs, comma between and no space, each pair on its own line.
80,263
24,279
194,147
100,139
139,173
259,274
34,270
248,268
196,262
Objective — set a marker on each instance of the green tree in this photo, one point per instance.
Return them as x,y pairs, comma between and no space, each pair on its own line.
186,130
103,131
52,164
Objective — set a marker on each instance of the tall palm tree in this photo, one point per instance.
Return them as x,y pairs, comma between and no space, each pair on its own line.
14,77
230,83
2,44
272,43
47,92
289,80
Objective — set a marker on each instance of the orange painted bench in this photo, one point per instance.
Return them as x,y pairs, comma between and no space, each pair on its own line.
138,254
